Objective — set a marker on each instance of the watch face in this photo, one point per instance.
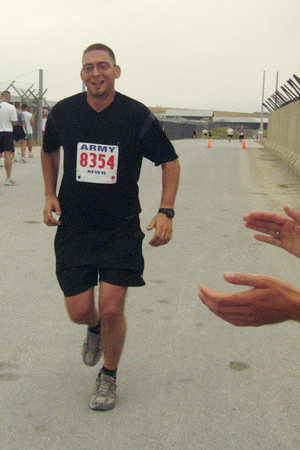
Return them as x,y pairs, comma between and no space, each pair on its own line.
170,213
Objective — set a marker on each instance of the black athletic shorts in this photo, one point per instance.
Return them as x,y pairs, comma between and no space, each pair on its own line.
6,141
112,255
19,133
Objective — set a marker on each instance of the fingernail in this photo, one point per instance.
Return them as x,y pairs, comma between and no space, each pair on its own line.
229,275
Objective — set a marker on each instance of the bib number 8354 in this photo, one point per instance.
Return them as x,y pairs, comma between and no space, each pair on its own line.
99,160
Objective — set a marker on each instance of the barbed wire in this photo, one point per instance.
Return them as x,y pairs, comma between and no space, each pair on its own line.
290,92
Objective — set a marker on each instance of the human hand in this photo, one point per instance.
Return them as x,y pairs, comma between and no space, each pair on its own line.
269,301
163,230
52,205
281,230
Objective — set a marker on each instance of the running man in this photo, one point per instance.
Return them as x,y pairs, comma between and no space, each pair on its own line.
229,134
105,136
241,134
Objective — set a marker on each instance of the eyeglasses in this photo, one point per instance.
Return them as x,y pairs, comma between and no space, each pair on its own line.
101,67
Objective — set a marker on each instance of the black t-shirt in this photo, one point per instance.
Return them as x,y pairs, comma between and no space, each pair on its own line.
126,130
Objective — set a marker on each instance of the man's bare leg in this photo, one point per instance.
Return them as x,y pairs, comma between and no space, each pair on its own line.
113,324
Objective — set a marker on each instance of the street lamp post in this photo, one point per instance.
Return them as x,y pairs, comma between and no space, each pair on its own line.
261,130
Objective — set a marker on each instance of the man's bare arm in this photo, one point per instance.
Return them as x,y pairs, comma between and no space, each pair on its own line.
162,224
50,168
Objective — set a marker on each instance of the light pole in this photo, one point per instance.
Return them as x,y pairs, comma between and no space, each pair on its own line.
40,107
261,130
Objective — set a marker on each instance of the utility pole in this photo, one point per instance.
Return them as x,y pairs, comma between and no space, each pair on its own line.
261,130
40,107
276,88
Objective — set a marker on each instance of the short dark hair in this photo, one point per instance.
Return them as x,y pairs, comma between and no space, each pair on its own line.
24,106
102,47
5,94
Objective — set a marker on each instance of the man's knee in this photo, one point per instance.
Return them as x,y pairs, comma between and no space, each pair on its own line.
80,307
112,314
77,316
111,305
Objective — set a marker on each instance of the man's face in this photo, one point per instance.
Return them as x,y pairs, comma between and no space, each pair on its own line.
99,83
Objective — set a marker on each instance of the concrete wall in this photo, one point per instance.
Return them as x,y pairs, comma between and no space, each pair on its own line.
177,130
284,134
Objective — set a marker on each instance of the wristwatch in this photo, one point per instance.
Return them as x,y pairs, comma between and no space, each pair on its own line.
168,212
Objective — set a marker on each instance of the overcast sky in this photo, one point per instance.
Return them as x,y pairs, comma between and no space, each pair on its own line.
189,53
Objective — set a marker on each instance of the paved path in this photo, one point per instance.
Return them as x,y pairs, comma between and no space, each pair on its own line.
187,380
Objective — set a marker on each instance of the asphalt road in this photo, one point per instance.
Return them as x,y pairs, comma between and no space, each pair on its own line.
187,380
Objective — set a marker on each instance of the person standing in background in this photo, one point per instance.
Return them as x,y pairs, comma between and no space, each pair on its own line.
29,123
20,131
8,118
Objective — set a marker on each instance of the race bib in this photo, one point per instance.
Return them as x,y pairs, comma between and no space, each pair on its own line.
97,163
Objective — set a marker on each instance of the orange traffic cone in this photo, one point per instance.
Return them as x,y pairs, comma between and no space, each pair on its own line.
244,145
208,144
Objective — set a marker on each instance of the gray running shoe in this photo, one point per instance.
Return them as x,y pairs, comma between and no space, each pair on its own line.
104,397
9,182
91,349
